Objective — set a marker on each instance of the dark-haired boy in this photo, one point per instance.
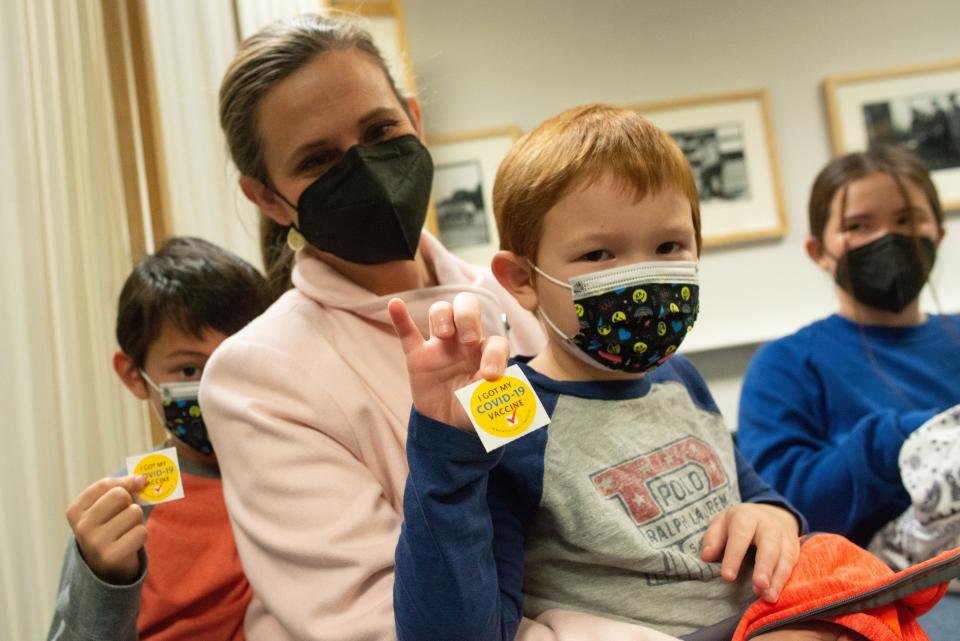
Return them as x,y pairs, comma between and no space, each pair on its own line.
176,307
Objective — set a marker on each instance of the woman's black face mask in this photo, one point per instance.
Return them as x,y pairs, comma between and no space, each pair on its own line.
887,273
369,208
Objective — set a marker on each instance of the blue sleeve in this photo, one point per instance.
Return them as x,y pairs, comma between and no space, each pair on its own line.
682,370
844,486
754,489
460,555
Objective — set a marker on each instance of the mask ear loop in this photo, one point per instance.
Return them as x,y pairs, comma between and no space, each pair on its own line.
163,419
150,382
566,341
556,281
540,311
295,238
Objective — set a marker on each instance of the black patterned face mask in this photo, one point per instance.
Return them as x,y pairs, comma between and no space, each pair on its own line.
181,413
632,318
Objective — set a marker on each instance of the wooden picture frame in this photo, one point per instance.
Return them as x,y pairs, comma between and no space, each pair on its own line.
917,106
465,165
729,140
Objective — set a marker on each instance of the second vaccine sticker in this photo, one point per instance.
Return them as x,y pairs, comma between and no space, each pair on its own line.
504,409
161,469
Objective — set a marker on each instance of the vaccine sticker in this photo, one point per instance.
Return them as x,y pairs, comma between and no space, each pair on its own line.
162,471
504,409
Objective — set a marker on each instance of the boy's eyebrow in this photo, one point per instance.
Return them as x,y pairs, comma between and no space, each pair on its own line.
186,352
678,227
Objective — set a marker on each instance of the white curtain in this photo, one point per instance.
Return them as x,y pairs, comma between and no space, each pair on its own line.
66,418
191,45
65,250
252,15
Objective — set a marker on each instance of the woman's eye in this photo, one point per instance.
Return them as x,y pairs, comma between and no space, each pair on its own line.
381,130
317,161
668,248
596,256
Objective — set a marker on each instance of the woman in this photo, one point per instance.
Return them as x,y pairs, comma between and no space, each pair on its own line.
824,412
308,405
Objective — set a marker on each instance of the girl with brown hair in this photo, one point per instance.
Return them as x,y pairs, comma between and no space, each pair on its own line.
824,412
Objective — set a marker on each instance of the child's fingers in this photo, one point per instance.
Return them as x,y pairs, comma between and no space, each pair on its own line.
95,491
441,319
132,540
466,316
118,561
714,538
107,506
769,542
133,483
496,351
738,542
410,336
769,546
124,521
788,559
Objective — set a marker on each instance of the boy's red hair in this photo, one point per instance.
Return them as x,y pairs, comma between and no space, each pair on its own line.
573,149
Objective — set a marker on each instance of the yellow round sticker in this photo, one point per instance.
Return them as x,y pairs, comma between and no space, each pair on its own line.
162,477
503,408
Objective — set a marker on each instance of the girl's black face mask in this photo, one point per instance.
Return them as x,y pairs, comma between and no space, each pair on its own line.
887,273
369,208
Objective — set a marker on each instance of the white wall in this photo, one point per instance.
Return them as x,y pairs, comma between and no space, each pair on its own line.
482,64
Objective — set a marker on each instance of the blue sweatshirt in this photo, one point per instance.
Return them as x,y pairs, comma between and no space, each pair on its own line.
824,412
603,511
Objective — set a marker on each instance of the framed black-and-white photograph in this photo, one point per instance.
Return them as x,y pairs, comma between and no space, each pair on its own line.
458,198
729,142
917,107
465,166
717,158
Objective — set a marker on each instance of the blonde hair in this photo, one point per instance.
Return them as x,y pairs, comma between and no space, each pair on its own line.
262,61
577,147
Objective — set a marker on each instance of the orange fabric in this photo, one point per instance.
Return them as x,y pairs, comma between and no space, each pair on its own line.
195,587
831,569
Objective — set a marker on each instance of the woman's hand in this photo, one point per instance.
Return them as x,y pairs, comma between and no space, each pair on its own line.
455,354
109,528
773,530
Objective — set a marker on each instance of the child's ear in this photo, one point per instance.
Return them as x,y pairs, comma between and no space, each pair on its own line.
814,247
514,274
129,373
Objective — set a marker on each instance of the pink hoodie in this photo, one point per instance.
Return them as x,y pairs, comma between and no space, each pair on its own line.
307,408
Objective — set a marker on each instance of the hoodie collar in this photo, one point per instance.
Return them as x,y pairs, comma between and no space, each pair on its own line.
321,283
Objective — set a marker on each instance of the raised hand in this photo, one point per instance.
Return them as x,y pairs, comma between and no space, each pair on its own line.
455,354
109,528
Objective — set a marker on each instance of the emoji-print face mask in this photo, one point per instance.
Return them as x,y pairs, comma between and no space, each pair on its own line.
632,318
181,412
